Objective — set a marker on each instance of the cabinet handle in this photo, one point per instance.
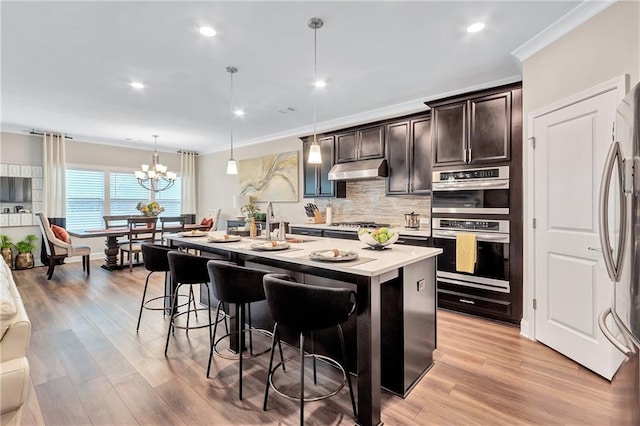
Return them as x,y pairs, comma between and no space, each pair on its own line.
304,233
469,155
467,301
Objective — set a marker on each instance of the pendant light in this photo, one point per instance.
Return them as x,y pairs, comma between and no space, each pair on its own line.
232,168
315,156
155,178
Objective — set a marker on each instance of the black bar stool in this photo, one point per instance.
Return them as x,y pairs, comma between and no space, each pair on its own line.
237,285
187,269
307,308
155,260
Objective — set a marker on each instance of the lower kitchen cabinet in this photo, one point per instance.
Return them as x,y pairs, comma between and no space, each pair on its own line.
481,303
353,235
298,230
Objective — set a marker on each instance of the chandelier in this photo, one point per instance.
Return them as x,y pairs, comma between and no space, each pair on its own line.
155,178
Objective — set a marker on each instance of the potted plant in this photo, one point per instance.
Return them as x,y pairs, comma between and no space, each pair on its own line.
249,210
7,253
24,258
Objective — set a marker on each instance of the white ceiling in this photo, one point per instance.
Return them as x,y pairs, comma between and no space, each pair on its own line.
66,65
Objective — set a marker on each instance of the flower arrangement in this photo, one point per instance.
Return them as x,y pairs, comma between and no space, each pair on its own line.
151,209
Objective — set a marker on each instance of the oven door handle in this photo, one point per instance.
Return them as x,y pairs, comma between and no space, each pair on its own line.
485,237
444,186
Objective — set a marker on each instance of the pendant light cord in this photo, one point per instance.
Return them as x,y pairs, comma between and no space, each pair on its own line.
315,79
231,113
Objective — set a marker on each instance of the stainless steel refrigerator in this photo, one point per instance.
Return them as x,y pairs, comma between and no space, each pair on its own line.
620,241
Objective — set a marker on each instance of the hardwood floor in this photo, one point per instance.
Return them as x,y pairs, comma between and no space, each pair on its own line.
89,366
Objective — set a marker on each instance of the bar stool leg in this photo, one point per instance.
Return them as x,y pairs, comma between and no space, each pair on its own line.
240,342
193,297
313,352
346,370
209,311
269,371
173,313
250,333
144,294
301,378
215,328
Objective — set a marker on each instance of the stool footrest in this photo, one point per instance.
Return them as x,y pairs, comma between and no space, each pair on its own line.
317,398
244,330
194,327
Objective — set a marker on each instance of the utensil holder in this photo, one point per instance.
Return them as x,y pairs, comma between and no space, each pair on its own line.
317,218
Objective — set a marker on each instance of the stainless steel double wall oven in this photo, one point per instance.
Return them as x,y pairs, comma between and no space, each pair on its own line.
474,201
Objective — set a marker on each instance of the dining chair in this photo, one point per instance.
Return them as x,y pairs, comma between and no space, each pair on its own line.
171,225
115,221
140,230
57,249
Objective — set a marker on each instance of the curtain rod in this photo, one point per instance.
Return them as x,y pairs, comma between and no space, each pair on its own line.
180,151
41,133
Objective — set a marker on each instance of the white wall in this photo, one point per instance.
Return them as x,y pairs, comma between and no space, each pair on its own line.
216,189
601,49
27,149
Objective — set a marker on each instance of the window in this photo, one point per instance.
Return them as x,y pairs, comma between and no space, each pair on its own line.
170,199
92,194
85,199
125,193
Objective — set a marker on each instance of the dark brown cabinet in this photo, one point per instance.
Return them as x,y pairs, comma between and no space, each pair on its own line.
316,176
361,144
472,131
408,154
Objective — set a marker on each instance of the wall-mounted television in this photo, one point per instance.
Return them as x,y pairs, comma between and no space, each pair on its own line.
15,189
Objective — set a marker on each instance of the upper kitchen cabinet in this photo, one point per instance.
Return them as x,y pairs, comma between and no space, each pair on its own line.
408,153
475,128
316,176
360,144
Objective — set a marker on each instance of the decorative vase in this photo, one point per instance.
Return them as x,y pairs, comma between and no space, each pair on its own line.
7,255
24,261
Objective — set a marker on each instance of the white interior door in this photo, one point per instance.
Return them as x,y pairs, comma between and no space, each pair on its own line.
571,282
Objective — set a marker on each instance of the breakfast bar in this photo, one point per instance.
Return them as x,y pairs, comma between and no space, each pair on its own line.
396,296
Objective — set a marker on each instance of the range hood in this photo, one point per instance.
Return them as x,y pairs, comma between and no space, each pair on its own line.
363,169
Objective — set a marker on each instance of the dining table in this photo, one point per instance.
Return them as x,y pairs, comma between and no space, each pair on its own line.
111,236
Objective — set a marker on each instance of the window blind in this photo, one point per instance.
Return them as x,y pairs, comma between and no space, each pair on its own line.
170,199
125,193
85,199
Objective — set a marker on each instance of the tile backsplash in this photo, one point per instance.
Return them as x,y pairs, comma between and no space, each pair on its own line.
366,201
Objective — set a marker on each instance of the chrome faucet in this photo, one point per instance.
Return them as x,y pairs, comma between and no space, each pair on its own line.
267,232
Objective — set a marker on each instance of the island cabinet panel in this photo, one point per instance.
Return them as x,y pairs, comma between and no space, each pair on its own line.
316,176
360,144
474,128
408,150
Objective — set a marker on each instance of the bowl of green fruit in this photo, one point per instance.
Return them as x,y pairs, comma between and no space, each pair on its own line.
378,239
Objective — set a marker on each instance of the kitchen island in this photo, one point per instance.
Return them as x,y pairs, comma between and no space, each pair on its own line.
396,295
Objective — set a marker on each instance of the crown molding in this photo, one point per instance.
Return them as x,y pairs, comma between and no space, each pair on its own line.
396,110
566,23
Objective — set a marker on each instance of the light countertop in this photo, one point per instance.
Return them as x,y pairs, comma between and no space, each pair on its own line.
382,261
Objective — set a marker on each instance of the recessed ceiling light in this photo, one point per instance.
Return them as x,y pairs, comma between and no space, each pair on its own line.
239,112
474,28
137,85
320,83
207,31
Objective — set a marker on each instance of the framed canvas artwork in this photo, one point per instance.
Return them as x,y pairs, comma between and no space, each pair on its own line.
270,178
